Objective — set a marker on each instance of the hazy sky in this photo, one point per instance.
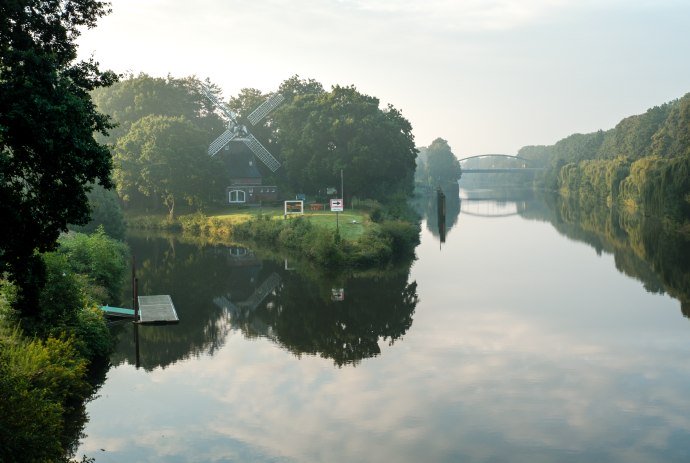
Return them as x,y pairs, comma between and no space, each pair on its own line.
489,76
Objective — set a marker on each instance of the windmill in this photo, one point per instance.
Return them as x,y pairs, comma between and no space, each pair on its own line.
238,132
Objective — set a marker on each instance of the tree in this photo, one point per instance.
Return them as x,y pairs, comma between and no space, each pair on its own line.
105,212
48,154
321,133
163,158
135,97
442,165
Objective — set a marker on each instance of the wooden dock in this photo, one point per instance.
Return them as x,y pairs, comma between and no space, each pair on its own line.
152,309
157,309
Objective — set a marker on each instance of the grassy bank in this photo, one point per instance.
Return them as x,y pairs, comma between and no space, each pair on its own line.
358,238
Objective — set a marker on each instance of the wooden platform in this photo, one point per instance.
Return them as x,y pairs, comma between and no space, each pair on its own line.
152,309
157,309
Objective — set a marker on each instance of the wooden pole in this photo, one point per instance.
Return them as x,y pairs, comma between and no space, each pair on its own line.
134,276
136,300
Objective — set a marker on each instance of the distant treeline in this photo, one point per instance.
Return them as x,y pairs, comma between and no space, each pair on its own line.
641,165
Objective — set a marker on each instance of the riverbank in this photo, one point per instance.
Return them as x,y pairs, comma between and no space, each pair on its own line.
52,363
360,238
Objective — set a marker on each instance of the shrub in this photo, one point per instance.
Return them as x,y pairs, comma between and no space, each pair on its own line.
101,258
404,237
41,382
323,247
61,298
372,248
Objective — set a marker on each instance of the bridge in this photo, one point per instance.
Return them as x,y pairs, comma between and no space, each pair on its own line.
494,170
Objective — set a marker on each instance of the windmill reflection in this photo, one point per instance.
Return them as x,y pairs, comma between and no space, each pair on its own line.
220,290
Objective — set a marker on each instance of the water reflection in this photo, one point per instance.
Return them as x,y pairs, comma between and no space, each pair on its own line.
653,251
220,289
428,208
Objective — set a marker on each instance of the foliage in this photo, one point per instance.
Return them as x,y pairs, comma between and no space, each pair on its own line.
163,158
61,297
41,384
150,153
321,133
105,212
441,165
643,164
102,259
379,246
48,154
136,97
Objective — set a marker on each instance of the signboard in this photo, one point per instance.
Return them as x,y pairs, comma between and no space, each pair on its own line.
294,207
337,205
331,190
301,197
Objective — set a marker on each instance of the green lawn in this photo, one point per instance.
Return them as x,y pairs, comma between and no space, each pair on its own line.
350,223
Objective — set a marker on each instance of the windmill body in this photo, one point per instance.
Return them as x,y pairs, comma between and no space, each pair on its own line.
243,152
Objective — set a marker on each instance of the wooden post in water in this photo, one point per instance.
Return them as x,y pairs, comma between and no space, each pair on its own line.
134,275
441,209
136,300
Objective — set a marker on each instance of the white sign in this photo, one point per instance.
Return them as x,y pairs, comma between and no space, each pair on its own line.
336,205
294,207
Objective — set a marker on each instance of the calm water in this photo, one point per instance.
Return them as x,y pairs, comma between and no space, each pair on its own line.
516,340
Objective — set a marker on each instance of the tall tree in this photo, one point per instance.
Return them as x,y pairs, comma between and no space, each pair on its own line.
48,154
442,165
321,133
163,158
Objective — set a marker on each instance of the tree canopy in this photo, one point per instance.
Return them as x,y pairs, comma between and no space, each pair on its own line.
48,154
314,133
437,165
165,158
321,133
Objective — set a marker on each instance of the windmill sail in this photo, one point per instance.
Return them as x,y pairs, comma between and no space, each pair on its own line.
220,105
265,108
221,141
260,152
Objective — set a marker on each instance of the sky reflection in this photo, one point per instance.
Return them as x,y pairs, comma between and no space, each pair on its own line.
506,360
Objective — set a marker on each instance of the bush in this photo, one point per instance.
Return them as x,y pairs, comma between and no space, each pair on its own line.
41,382
372,249
101,258
323,248
404,237
62,296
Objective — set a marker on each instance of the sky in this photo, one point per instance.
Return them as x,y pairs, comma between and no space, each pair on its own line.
488,76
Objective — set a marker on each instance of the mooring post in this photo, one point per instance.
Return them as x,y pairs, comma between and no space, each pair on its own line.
136,300
441,209
134,275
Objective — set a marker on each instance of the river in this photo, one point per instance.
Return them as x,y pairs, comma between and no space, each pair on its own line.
519,337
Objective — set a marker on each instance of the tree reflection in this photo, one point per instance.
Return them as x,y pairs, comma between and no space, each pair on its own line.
653,251
427,207
217,289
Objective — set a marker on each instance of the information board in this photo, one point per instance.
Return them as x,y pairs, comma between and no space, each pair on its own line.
337,205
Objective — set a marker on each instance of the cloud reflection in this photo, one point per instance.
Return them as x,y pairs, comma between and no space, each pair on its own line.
496,386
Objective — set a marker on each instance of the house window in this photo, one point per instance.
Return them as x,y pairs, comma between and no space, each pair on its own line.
237,196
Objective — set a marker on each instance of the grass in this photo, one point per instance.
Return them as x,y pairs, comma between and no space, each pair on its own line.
351,223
